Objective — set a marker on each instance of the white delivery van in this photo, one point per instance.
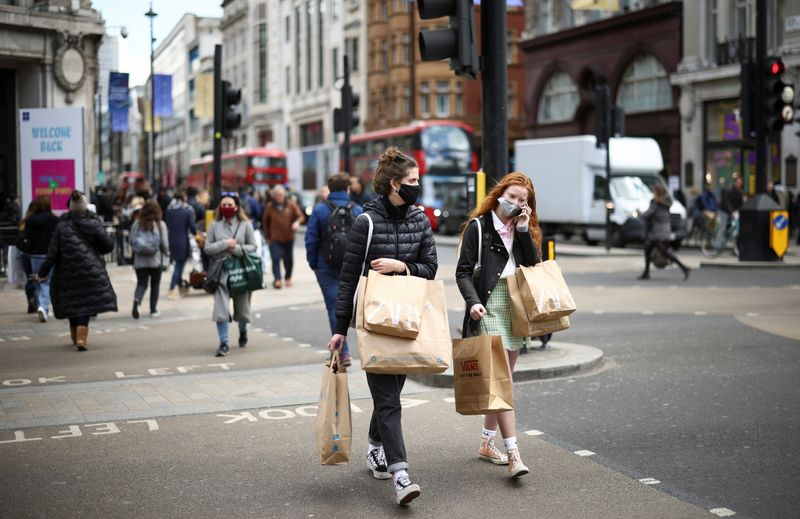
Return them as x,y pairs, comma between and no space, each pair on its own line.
569,175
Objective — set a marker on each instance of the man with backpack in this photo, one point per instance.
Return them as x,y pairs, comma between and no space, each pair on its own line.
326,240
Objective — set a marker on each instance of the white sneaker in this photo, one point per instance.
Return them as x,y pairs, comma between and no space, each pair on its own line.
376,461
42,314
406,490
155,314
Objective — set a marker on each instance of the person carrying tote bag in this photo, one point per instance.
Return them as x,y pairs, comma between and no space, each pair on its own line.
507,234
402,240
230,234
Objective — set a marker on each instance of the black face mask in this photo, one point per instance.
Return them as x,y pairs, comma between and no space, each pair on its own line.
409,193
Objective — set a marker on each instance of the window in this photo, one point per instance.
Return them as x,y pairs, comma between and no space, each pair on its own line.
297,50
384,10
407,101
511,101
711,32
559,99
353,54
335,67
510,47
288,28
194,59
459,97
262,62
406,49
424,99
320,43
384,55
336,8
644,86
309,12
442,98
288,80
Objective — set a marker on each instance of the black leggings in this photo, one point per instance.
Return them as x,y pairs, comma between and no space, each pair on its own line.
143,275
663,248
79,321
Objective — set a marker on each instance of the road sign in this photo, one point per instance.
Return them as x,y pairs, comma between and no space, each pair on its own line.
779,232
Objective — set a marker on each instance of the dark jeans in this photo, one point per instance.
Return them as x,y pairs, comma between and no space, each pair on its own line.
282,251
329,284
385,427
663,247
177,274
142,276
79,321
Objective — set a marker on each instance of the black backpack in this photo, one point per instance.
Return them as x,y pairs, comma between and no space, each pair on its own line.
334,240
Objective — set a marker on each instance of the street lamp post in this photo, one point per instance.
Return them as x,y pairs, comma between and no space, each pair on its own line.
151,138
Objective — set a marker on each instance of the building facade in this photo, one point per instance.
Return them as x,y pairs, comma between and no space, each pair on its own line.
634,51
718,35
185,54
48,59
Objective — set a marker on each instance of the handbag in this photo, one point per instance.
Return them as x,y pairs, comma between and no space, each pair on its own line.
334,425
544,291
244,273
214,274
481,375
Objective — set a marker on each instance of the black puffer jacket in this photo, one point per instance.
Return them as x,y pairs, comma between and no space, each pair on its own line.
80,284
493,260
403,235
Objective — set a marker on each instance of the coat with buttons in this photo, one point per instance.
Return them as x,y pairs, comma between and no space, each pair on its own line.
493,261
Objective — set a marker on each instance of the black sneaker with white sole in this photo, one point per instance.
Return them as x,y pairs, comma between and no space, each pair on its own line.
406,490
376,461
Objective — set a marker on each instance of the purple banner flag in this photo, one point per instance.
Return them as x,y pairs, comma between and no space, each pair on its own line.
163,95
118,101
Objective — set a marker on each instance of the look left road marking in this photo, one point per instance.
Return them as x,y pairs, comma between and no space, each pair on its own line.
78,431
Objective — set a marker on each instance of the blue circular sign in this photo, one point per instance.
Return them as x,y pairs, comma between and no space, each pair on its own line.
780,222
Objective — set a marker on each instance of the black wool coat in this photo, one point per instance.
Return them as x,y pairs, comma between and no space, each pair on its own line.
405,236
493,260
80,285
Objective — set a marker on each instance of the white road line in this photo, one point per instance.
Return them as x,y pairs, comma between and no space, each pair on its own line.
795,287
754,287
534,432
599,287
649,481
258,329
584,453
324,352
648,312
599,312
722,512
673,287
700,314
287,339
450,399
294,308
636,287
752,314
304,345
272,334
713,287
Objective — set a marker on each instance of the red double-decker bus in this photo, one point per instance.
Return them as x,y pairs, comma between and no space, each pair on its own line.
447,158
260,168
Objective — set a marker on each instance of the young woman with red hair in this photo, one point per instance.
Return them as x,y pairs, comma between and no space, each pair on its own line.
510,237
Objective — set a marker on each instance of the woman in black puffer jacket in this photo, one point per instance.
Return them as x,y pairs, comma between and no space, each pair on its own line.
79,284
401,238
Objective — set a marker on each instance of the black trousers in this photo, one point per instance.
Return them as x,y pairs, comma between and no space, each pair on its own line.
385,427
79,321
143,275
663,248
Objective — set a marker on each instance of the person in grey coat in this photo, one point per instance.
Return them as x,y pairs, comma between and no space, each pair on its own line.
657,234
230,234
150,244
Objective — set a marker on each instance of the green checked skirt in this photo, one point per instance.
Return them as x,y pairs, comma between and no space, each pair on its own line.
497,320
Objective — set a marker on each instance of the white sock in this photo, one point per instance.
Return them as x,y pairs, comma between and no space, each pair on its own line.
487,434
511,443
399,474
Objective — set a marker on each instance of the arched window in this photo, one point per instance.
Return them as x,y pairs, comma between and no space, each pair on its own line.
559,99
644,86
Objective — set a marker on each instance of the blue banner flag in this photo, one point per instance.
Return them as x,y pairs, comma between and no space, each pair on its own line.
163,95
118,101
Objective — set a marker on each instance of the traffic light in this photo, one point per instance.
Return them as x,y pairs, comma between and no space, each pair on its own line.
778,96
231,119
346,117
456,43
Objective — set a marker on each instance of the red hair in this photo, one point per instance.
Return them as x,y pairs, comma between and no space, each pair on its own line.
490,203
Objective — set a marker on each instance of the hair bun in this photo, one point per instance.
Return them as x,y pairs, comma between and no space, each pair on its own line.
392,154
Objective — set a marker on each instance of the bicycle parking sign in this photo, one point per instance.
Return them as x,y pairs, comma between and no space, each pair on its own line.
779,232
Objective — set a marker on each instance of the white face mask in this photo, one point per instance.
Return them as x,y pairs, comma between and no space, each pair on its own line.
509,209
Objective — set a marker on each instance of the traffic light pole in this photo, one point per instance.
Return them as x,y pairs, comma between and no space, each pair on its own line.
494,90
761,123
347,115
218,117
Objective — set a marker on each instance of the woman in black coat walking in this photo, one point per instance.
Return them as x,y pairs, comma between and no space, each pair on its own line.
509,238
401,239
79,284
40,226
657,234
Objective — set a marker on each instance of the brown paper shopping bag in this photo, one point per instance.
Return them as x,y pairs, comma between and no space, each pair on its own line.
393,304
544,291
521,324
333,425
429,352
481,376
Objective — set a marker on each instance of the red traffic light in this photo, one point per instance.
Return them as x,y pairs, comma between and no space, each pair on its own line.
776,68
